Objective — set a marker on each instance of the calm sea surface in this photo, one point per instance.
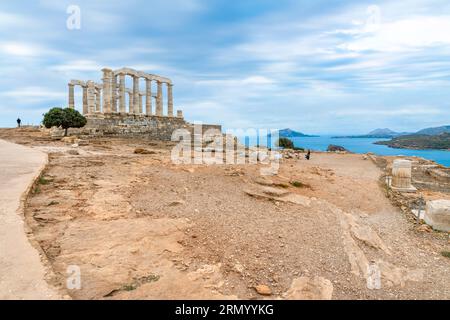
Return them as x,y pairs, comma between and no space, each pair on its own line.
364,145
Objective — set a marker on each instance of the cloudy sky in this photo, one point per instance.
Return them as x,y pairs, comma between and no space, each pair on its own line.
322,66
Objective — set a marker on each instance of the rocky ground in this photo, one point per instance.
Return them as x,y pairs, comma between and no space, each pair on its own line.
141,227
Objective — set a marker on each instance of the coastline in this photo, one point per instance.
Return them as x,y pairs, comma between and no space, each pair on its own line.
367,145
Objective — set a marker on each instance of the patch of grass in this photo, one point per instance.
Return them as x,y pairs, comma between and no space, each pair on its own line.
299,184
129,287
148,279
137,283
43,180
446,254
36,190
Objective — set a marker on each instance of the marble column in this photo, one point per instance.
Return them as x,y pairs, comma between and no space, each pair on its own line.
85,100
71,96
402,176
98,100
107,90
91,96
130,102
179,114
148,97
169,100
135,94
114,93
159,100
122,106
140,103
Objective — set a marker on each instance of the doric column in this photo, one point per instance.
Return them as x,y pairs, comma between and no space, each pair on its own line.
91,97
85,100
140,103
71,96
122,106
135,94
98,100
107,90
159,100
401,175
169,100
148,97
114,93
130,102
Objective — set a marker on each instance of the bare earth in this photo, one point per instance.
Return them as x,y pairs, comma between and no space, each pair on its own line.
141,227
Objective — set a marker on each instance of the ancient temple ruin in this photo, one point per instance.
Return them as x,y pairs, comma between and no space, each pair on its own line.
113,109
110,95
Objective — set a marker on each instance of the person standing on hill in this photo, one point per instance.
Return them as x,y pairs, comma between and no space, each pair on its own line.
308,155
19,122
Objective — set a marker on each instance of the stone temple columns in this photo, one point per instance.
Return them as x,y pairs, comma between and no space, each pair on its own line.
85,100
179,114
122,106
91,96
148,97
114,94
169,100
159,100
107,92
140,103
135,94
130,102
71,96
111,95
98,100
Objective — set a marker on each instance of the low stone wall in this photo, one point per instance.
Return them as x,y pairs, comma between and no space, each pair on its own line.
117,124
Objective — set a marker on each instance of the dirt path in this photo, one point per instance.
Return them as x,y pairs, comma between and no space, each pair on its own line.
21,271
140,227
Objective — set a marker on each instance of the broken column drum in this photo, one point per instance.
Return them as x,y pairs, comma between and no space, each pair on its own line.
401,174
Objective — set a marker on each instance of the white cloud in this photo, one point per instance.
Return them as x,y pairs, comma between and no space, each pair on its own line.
35,94
413,33
78,66
21,49
231,82
402,111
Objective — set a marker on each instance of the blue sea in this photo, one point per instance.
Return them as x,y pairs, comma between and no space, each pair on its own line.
363,145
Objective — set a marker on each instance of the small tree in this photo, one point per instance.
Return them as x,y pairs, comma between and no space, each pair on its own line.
64,118
285,143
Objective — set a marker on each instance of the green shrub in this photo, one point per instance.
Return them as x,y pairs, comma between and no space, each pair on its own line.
64,118
285,143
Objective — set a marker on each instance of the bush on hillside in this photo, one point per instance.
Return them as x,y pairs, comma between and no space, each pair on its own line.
64,118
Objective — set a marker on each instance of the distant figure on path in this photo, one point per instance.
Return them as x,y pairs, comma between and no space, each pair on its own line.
308,155
19,122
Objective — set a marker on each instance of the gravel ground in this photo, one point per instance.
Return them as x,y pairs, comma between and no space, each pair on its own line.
141,227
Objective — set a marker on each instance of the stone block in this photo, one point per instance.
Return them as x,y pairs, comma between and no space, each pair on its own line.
401,176
437,215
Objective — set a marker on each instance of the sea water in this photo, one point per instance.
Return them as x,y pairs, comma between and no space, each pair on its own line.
360,145
365,145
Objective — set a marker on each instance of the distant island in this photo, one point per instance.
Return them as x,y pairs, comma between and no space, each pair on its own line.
419,141
289,133
437,138
376,134
434,131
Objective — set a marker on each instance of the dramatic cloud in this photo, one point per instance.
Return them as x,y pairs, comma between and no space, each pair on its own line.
317,66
